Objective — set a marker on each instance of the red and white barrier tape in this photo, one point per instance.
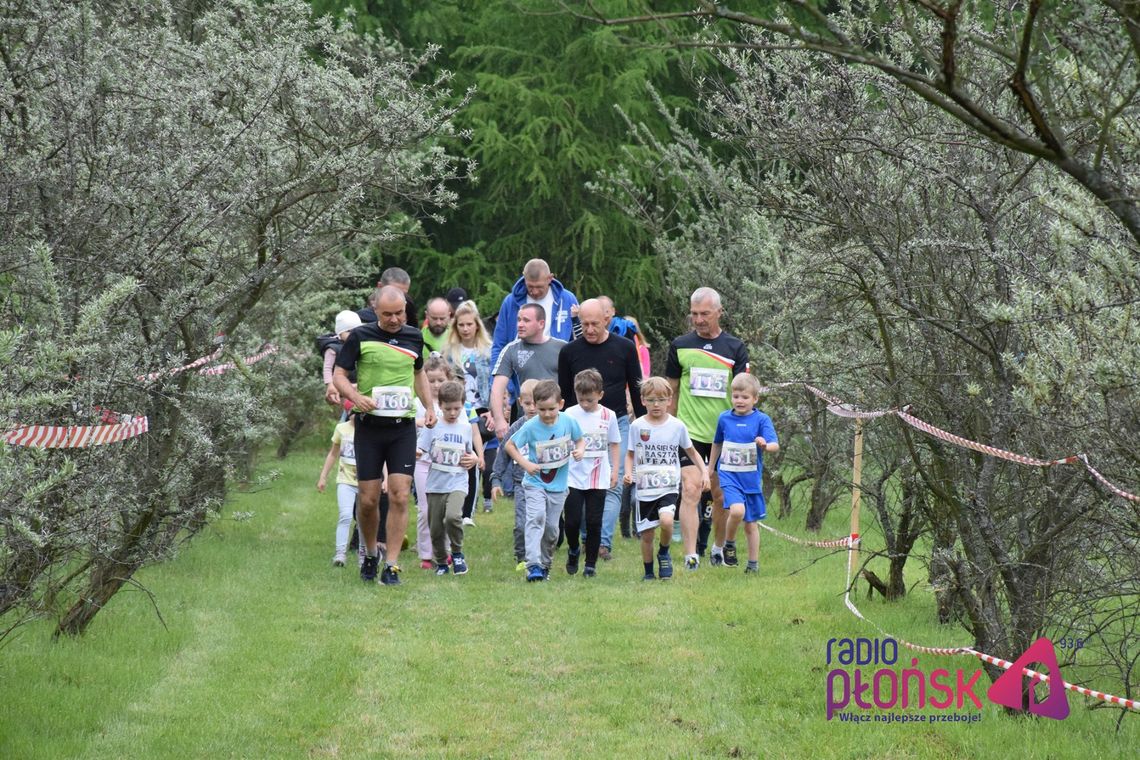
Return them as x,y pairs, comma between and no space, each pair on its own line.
842,409
1131,704
82,436
830,544
1104,481
75,436
178,370
966,443
221,369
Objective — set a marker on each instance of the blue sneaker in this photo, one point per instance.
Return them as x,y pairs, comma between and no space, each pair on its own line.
390,575
649,576
441,570
664,565
459,564
534,573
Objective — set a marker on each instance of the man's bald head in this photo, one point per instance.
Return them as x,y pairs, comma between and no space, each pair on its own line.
592,317
438,314
607,305
390,308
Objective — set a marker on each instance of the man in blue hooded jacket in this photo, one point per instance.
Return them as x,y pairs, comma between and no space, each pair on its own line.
537,285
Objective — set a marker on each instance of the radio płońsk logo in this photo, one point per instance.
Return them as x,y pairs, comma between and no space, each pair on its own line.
854,695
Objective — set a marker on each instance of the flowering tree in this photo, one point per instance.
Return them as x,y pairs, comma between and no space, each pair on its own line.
903,260
168,177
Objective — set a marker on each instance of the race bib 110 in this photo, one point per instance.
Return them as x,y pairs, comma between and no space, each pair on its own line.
445,456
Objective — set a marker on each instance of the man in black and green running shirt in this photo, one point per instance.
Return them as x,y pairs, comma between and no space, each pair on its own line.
388,358
700,367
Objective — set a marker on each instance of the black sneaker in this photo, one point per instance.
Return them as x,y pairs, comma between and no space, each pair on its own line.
368,569
589,572
664,566
546,573
571,563
649,577
390,575
730,556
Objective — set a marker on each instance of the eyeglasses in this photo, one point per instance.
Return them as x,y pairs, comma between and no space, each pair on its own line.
656,400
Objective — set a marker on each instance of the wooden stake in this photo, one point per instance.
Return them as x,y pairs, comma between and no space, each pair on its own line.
856,493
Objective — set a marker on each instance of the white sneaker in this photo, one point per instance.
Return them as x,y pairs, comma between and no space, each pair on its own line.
468,521
338,559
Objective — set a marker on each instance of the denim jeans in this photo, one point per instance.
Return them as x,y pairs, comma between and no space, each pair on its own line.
613,495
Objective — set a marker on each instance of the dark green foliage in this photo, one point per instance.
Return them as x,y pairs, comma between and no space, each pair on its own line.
543,122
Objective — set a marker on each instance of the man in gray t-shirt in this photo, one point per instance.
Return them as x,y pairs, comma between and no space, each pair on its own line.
530,356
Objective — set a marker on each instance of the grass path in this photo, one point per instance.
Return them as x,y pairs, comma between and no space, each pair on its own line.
271,652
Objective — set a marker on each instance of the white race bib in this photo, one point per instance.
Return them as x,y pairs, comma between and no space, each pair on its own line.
553,453
445,456
392,400
596,443
657,477
738,457
348,452
711,383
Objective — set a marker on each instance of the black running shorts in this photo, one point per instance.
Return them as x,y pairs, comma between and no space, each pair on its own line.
384,441
704,449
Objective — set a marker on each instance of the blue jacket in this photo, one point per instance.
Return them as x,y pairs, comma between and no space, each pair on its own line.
506,328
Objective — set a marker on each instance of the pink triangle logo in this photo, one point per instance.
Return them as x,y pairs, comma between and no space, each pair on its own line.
1007,690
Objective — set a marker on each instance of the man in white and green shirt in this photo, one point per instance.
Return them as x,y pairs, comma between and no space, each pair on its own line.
700,367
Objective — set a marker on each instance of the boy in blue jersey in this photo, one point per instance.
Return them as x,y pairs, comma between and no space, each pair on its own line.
743,434
552,438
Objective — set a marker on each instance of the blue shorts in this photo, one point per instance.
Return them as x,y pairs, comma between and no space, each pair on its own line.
754,507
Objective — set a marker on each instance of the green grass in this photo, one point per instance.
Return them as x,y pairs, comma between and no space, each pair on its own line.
271,652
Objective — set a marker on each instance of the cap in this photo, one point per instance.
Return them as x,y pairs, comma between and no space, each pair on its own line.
456,296
346,320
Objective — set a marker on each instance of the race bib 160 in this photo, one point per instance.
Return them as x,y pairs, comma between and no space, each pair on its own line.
392,400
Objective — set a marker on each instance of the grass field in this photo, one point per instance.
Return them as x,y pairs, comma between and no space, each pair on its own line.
268,651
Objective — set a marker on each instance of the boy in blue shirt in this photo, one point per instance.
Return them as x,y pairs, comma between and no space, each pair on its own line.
743,434
551,439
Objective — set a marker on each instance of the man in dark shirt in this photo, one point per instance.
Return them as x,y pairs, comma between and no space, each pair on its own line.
397,278
616,359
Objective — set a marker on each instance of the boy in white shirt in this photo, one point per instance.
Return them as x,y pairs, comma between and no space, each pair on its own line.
653,464
451,451
591,477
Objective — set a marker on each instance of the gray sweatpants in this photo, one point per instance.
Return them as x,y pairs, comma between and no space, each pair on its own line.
543,508
520,523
